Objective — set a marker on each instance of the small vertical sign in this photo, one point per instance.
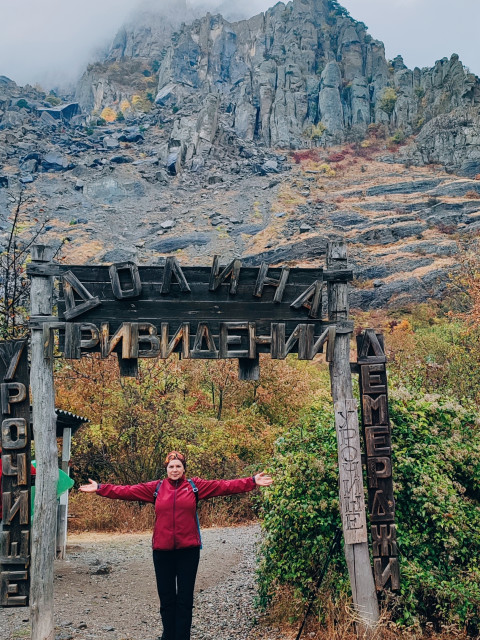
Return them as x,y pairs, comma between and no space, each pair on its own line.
15,481
378,445
352,498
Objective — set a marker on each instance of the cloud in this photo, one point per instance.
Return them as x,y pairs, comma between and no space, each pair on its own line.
51,41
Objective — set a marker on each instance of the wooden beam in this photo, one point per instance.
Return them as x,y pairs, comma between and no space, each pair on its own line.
356,554
44,428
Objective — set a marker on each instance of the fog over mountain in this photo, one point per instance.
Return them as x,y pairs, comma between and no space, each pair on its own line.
51,41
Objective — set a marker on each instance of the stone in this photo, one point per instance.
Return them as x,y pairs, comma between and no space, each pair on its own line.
271,166
119,255
56,162
3,182
27,178
131,137
174,162
29,166
110,142
168,224
121,159
181,242
305,228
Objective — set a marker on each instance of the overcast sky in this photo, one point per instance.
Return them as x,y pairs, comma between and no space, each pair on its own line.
51,41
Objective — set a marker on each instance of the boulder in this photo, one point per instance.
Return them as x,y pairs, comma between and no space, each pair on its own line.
131,137
54,161
121,159
3,182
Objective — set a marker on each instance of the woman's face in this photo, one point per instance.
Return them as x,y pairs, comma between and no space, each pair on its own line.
175,470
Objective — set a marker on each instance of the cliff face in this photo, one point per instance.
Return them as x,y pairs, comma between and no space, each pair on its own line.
136,50
281,72
301,72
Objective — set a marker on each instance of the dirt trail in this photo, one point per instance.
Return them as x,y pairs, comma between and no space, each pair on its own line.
105,589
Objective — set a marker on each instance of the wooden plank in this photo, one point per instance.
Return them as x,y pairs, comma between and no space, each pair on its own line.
357,555
352,502
202,311
194,275
15,479
128,367
249,368
44,428
10,354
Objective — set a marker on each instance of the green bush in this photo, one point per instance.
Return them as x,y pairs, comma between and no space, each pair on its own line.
53,100
300,511
388,100
398,137
436,465
23,104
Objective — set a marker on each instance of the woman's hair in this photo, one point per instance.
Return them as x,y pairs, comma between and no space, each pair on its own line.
176,455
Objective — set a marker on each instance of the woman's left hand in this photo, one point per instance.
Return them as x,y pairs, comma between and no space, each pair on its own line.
262,479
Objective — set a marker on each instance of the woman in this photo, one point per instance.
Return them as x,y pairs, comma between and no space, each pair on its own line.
176,534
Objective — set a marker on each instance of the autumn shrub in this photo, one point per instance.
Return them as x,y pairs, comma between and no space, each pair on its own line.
472,194
225,426
436,462
336,157
304,155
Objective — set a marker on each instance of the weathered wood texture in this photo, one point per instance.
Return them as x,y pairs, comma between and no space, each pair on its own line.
44,428
15,439
378,447
352,498
173,294
62,508
222,312
357,555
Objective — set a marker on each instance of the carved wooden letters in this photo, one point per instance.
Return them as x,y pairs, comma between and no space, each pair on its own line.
376,428
352,501
228,311
15,438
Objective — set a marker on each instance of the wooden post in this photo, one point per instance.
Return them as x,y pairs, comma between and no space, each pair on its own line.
352,499
62,516
44,429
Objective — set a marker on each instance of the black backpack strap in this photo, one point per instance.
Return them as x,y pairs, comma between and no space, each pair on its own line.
195,489
195,493
157,488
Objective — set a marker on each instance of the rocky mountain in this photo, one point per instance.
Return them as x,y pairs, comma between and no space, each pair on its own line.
260,139
299,72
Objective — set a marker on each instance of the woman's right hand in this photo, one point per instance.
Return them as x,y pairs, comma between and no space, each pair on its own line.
89,488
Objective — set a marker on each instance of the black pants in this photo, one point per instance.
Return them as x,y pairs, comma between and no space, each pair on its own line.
176,572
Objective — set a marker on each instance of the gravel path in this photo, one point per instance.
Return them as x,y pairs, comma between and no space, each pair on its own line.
105,590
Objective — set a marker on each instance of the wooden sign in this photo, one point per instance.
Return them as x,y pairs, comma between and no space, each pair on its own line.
352,498
377,433
15,438
200,312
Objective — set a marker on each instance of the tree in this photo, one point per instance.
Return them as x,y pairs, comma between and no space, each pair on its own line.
388,100
14,284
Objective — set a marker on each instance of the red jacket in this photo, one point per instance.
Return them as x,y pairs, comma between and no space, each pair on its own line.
175,507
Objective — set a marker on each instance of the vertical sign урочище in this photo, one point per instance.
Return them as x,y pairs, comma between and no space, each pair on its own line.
16,477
